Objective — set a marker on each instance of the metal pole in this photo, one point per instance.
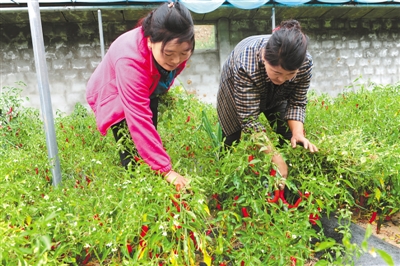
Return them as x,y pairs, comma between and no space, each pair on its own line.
153,6
273,18
101,32
44,91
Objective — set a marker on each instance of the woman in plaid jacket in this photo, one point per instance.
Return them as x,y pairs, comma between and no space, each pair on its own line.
267,74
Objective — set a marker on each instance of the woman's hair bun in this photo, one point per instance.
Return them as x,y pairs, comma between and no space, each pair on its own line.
290,24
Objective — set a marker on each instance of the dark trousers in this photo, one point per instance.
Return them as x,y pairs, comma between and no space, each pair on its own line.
275,117
120,131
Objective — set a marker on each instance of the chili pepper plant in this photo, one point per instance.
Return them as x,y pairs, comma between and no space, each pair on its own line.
231,213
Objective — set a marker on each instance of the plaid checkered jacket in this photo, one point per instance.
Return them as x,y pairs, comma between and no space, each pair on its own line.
245,90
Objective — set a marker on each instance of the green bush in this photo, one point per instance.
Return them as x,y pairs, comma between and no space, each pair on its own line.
112,216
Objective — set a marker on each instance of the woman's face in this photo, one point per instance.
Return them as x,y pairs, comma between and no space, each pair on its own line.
277,74
173,55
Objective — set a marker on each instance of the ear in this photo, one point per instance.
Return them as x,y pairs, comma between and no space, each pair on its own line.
149,43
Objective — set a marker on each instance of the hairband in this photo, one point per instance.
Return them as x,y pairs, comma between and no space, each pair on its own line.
277,28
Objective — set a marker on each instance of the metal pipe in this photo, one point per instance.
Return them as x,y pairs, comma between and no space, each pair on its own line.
128,7
273,18
44,91
101,33
77,8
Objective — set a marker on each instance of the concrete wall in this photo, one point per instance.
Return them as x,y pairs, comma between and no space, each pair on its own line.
343,50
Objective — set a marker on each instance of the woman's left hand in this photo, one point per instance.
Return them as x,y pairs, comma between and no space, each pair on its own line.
179,181
306,143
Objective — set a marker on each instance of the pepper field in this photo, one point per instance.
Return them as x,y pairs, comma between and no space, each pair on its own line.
102,214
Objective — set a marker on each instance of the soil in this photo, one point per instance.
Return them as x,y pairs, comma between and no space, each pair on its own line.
390,229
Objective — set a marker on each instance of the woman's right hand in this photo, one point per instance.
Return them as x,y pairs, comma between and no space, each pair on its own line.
281,164
176,179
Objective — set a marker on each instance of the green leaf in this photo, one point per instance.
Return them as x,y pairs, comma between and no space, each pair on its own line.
190,213
320,203
346,242
51,216
324,245
378,194
348,183
364,246
46,241
321,263
368,232
386,257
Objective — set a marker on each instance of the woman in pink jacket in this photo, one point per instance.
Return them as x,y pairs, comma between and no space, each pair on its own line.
140,65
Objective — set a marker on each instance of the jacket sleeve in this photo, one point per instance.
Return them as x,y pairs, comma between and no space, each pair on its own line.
134,84
296,109
247,95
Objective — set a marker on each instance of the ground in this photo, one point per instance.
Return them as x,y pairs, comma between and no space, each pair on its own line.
390,230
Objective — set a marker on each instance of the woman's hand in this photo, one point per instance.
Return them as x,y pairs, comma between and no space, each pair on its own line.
298,136
280,163
306,143
176,179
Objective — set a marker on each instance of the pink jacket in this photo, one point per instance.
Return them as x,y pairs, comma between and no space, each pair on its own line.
120,88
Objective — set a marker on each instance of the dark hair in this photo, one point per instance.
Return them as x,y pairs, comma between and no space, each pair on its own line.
169,21
287,47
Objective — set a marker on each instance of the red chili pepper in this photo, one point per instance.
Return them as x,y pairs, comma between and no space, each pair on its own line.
191,235
176,204
275,198
244,212
219,206
145,229
188,119
313,218
242,263
282,197
251,157
272,172
374,214
129,248
296,203
53,247
185,205
36,170
86,260
235,199
294,260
